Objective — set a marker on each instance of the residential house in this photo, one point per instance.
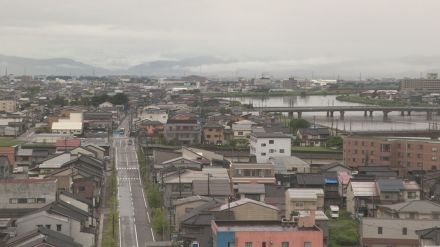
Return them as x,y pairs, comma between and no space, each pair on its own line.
196,225
152,129
390,190
212,182
185,205
378,232
266,145
315,136
213,133
429,237
303,199
67,145
362,197
29,157
267,233
154,115
242,129
42,237
49,165
289,165
255,192
416,209
63,218
185,131
26,193
252,173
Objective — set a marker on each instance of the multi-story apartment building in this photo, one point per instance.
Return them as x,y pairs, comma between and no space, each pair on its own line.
400,154
213,134
429,84
266,145
8,106
183,131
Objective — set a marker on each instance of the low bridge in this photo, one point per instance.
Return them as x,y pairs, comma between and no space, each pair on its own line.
368,110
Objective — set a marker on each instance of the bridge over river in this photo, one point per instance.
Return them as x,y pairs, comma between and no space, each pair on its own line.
368,110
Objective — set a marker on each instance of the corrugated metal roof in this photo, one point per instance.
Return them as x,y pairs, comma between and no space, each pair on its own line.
364,188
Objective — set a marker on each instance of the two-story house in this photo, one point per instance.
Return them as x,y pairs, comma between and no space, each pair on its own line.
184,131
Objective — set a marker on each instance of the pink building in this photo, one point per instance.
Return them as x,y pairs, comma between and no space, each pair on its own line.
303,233
400,154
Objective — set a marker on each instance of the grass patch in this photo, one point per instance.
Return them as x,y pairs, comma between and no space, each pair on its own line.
343,231
111,229
9,141
315,149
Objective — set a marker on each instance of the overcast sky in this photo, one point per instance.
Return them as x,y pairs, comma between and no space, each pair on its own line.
121,33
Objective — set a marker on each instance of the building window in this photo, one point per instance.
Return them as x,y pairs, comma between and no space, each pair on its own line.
284,244
48,227
271,151
41,200
81,188
434,149
59,228
434,157
263,144
271,141
307,244
263,244
379,230
263,154
22,200
281,151
384,158
404,231
31,200
412,195
13,201
385,148
240,133
248,244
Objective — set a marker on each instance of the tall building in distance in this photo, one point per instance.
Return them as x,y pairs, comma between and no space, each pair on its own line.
429,84
400,154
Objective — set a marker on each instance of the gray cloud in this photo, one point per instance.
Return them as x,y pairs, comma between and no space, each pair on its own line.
119,34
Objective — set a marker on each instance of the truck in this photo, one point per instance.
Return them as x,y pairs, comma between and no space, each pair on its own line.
334,211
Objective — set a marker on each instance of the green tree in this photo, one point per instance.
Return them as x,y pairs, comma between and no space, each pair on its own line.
153,195
335,141
160,222
299,123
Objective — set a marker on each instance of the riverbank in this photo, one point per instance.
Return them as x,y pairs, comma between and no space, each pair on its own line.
270,94
369,101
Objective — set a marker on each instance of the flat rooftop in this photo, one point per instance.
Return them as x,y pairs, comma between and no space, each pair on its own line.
260,226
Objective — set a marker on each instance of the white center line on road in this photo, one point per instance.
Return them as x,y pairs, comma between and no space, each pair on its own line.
152,234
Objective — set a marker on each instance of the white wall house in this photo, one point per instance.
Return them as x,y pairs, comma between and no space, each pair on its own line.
266,145
154,115
242,129
56,222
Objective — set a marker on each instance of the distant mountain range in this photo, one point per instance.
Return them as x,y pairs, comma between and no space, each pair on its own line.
65,66
411,66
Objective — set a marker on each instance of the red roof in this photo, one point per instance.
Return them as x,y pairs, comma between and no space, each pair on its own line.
68,143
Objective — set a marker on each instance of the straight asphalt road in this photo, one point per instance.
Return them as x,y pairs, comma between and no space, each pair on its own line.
134,217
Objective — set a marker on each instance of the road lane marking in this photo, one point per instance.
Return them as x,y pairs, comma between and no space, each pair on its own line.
135,232
152,234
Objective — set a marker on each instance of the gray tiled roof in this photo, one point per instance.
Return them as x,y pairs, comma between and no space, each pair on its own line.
420,206
251,189
390,185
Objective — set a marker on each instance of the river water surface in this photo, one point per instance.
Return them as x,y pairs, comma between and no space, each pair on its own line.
354,121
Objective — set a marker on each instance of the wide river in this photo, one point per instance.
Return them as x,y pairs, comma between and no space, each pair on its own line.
354,121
